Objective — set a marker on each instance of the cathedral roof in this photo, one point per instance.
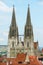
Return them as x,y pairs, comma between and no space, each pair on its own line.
20,60
21,57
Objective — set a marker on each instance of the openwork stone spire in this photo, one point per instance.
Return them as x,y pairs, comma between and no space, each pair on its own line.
28,27
13,18
28,21
13,27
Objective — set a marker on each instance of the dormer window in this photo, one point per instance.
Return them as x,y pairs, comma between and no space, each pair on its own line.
20,62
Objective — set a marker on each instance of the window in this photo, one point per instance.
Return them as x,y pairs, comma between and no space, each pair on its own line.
28,32
12,44
20,62
40,59
13,32
27,44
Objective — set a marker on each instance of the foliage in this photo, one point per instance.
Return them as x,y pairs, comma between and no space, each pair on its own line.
41,54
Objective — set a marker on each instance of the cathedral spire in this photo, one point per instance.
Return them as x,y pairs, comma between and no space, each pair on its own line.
13,18
13,27
28,21
28,27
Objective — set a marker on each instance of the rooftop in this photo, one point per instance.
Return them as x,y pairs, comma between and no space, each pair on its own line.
20,60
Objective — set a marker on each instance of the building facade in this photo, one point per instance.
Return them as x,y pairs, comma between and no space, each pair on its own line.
15,45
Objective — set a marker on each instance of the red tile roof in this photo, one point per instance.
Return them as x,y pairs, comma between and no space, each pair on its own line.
21,58
2,63
1,59
35,45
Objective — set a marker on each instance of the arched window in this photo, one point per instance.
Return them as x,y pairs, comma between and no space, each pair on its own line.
27,44
13,32
12,44
27,32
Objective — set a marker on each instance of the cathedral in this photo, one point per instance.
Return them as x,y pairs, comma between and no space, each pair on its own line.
15,45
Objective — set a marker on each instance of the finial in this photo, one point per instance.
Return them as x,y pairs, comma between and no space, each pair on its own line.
13,5
37,41
28,5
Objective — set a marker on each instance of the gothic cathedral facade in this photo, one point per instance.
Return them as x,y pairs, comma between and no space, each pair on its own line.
15,45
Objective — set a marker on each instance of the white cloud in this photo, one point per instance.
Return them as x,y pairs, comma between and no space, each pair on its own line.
4,7
5,33
40,2
1,39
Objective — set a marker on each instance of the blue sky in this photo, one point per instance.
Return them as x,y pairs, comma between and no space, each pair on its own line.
21,6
